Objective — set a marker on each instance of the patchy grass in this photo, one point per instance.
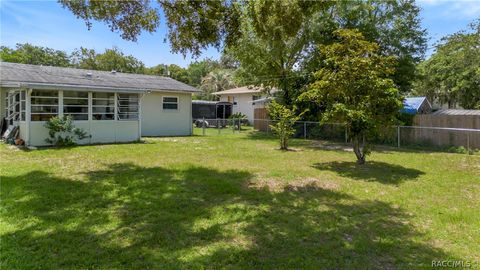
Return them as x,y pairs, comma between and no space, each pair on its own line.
234,201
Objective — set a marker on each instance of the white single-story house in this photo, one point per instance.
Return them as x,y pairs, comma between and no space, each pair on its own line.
109,106
243,99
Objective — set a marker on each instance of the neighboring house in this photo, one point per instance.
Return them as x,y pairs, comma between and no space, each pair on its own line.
416,105
206,109
243,99
109,106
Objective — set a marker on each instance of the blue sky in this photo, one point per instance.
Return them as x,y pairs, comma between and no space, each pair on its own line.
46,23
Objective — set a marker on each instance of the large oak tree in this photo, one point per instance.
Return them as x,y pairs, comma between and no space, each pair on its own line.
273,41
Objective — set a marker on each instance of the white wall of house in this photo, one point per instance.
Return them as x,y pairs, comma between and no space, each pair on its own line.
155,120
106,132
98,131
160,121
244,103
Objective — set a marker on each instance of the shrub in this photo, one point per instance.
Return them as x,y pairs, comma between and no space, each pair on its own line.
238,116
284,119
62,132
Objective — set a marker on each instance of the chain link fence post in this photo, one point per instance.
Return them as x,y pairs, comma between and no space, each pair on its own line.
203,126
346,134
468,142
398,136
305,130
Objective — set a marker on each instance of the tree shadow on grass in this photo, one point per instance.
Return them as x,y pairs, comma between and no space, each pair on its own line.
381,172
128,216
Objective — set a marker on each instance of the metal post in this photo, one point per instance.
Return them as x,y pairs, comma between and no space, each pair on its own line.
305,130
218,125
468,142
346,135
398,136
203,126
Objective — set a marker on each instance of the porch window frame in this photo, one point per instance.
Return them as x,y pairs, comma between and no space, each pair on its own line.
88,99
33,105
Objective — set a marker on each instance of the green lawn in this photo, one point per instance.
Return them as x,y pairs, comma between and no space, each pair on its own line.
234,201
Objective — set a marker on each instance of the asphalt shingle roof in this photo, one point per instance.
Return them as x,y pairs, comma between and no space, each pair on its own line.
22,74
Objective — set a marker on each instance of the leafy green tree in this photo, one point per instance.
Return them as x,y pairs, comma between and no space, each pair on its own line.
276,27
178,73
129,18
355,88
84,58
111,59
284,118
114,59
275,35
159,70
228,61
199,69
270,39
452,74
193,25
215,81
34,55
197,25
394,25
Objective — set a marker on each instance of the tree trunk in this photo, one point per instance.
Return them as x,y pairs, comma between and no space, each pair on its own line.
283,143
358,149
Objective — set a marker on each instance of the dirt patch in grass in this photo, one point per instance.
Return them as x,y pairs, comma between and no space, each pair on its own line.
306,184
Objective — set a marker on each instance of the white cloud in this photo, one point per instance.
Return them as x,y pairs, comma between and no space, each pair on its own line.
468,9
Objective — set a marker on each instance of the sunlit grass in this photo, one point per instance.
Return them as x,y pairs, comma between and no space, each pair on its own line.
234,201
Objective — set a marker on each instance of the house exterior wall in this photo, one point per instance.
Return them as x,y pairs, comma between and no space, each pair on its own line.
97,131
157,121
244,104
22,130
154,121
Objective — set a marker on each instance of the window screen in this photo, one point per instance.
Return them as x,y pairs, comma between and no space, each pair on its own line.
170,103
103,106
127,106
75,104
44,105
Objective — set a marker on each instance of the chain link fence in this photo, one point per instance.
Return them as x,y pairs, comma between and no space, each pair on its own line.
430,138
206,126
